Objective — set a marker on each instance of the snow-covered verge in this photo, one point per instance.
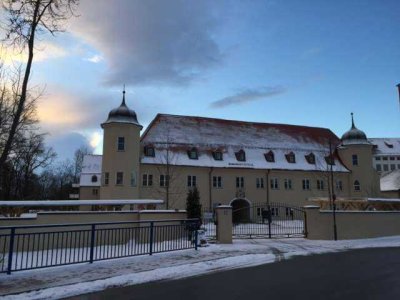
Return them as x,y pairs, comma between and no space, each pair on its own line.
74,280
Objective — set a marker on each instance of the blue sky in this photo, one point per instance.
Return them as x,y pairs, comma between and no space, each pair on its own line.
295,62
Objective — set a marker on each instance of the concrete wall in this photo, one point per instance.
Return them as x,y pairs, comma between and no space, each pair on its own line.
351,224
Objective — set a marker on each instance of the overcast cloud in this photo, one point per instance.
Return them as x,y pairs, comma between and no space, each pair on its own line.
150,42
248,95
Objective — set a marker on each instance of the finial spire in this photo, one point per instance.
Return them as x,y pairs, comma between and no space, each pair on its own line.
123,96
352,121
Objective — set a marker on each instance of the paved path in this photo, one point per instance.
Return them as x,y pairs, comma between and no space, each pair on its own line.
356,274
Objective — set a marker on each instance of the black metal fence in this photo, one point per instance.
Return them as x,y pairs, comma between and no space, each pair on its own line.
269,220
41,246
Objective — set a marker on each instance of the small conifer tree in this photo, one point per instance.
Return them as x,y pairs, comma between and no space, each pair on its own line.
193,206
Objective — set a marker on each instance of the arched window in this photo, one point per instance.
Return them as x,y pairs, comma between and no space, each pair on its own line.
193,154
357,186
269,157
94,178
241,155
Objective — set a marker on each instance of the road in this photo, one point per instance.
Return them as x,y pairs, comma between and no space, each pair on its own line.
356,274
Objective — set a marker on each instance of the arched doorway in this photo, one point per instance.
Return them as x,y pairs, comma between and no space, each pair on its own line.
240,211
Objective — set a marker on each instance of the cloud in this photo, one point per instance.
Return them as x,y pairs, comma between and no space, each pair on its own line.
151,42
95,59
248,95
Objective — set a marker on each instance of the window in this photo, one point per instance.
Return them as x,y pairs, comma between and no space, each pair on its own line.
378,158
290,157
310,158
120,178
106,178
191,181
149,151
94,178
260,183
274,184
288,184
320,184
147,180
217,182
217,155
357,186
392,158
275,211
95,192
306,184
379,168
392,167
269,157
339,185
240,155
133,178
239,182
398,157
164,180
330,160
385,158
385,167
192,153
354,158
121,143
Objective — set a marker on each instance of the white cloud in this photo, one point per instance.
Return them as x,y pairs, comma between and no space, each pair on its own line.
95,59
150,42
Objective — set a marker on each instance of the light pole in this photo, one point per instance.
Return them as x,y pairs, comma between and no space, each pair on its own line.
332,194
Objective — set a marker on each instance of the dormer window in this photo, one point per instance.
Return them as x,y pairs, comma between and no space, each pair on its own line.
269,157
330,160
310,158
149,151
218,155
94,178
291,158
389,145
192,153
241,155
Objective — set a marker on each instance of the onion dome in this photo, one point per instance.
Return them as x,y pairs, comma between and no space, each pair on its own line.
354,135
122,114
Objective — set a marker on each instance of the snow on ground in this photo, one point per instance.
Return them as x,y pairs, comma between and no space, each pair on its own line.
54,283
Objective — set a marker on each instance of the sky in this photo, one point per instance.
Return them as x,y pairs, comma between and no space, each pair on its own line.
295,62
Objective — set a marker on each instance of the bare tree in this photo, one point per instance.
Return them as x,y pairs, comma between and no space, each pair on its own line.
26,19
78,161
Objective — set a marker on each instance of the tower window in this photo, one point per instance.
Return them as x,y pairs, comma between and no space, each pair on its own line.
217,155
133,178
94,178
149,151
193,154
120,178
357,186
290,157
121,143
240,155
269,157
106,178
354,159
310,158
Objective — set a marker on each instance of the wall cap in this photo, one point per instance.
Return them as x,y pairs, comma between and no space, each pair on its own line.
310,206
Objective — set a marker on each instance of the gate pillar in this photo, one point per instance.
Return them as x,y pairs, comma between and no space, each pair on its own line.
224,224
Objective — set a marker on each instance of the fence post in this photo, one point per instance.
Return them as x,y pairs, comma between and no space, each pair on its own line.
269,221
305,224
11,250
151,237
196,239
92,238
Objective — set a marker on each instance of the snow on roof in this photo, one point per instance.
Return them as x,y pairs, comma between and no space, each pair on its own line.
91,164
32,203
178,134
390,181
93,179
386,146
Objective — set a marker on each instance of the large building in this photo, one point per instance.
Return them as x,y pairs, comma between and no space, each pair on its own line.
230,162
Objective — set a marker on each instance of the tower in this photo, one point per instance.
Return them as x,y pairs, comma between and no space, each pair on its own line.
121,145
355,151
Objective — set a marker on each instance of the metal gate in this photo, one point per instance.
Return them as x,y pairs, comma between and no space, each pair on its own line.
269,220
